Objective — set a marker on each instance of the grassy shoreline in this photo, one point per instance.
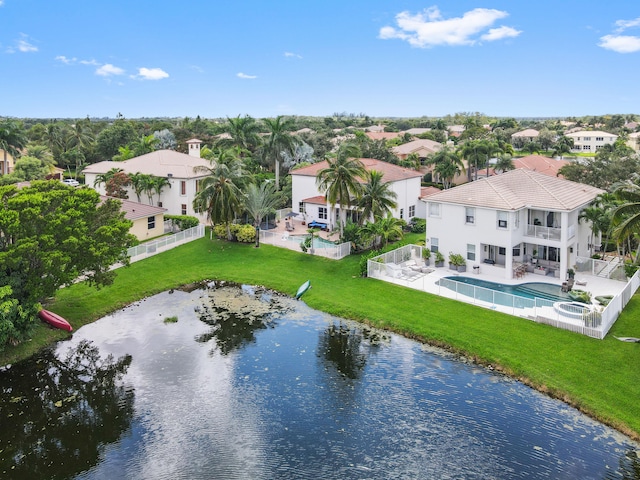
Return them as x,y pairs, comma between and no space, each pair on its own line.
599,377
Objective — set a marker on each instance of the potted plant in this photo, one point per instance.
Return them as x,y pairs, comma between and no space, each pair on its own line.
439,259
426,254
457,262
571,273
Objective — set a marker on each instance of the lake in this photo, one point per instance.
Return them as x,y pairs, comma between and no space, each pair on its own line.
227,382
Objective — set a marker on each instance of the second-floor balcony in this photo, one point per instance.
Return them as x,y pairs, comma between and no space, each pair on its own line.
546,233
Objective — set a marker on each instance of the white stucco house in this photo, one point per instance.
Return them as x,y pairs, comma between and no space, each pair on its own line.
307,199
586,141
177,167
519,219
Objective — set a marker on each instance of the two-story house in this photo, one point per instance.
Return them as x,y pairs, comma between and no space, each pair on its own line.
586,141
518,218
307,199
178,168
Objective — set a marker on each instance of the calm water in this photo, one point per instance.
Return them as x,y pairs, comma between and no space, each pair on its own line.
250,385
529,290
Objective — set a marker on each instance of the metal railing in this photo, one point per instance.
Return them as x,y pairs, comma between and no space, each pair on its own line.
546,233
292,242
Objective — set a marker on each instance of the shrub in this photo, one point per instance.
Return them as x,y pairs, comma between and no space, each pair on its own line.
630,269
182,222
244,233
418,225
456,259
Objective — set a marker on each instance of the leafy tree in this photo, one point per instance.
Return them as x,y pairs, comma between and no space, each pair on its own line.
165,140
145,144
124,153
546,139
52,234
259,201
12,139
279,140
377,199
30,168
504,163
562,145
626,216
384,230
103,178
116,185
120,134
340,179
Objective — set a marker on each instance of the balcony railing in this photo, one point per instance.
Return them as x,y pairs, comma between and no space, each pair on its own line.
546,233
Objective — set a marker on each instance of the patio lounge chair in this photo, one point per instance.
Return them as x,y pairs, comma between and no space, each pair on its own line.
289,227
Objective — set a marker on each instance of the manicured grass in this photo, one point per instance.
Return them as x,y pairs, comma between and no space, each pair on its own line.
600,377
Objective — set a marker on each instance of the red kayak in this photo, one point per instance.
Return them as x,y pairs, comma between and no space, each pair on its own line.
54,320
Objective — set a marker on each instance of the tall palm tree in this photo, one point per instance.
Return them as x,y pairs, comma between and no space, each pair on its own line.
504,163
341,179
596,218
80,135
383,230
243,132
105,177
220,195
377,199
447,164
145,144
12,139
279,140
626,217
259,201
140,183
475,152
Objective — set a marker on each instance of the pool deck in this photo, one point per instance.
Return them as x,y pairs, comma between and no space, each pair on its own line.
427,281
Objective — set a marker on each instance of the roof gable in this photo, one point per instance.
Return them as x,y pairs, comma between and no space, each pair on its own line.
390,172
161,163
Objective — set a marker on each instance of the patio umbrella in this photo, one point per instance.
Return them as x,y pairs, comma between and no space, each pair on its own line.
291,214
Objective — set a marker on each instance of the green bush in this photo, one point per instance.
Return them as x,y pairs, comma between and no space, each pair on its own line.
630,269
418,225
183,222
245,233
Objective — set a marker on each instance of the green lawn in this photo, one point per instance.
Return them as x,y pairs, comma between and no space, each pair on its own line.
600,377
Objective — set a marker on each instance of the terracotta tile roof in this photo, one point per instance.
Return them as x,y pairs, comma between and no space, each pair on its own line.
160,163
518,189
415,145
319,200
391,172
134,210
529,132
538,163
428,191
382,135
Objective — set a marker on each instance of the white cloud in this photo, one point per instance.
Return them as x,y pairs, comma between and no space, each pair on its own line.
430,28
292,55
65,60
244,75
109,70
23,45
624,24
620,43
89,62
151,74
500,33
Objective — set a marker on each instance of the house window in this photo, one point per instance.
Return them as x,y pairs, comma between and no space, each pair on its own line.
434,244
470,215
322,213
434,209
184,208
401,213
151,223
599,139
502,219
183,187
587,139
471,251
160,204
412,211
516,251
301,207
502,251
586,147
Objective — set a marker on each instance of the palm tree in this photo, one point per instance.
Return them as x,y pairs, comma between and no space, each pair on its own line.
145,144
124,153
105,177
12,140
220,196
140,183
596,218
158,184
80,135
259,201
279,140
340,179
244,133
504,163
626,217
377,198
447,164
475,152
384,230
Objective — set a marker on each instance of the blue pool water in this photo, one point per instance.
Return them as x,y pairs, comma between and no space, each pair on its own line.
317,241
529,290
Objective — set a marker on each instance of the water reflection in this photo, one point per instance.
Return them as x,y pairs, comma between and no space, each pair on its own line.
273,389
57,414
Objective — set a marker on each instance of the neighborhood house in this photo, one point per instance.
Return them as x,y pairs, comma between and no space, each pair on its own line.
518,220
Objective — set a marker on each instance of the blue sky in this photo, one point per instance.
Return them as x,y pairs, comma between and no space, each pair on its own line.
143,58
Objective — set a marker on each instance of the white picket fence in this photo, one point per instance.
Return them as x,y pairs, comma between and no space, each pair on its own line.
284,240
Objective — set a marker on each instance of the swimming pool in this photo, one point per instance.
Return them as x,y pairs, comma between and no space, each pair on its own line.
317,241
502,294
